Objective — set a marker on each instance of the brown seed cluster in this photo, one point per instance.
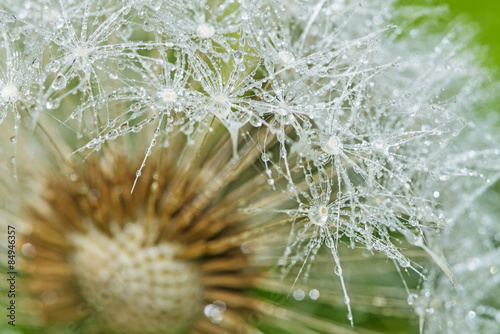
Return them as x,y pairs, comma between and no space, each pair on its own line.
170,257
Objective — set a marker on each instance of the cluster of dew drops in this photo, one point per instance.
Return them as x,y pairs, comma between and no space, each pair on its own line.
347,125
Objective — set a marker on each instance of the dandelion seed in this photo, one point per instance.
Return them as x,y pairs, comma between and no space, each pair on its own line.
10,93
318,215
285,57
205,31
169,96
80,52
333,145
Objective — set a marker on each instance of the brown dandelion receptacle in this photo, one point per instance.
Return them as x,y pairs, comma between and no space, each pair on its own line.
170,257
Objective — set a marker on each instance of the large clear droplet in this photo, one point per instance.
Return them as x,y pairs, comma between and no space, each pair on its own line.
59,82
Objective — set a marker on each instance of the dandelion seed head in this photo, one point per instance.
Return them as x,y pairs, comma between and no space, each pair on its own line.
50,16
145,288
169,95
81,52
333,145
318,215
10,93
118,257
285,57
220,99
205,31
317,127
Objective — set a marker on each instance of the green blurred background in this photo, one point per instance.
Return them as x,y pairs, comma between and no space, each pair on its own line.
485,14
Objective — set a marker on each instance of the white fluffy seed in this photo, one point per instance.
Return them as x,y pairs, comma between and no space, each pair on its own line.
205,30
332,145
10,93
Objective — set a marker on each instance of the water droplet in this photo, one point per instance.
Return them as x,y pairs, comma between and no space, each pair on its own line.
238,56
299,294
147,26
59,82
338,270
251,42
125,31
314,294
54,66
135,106
28,250
255,121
